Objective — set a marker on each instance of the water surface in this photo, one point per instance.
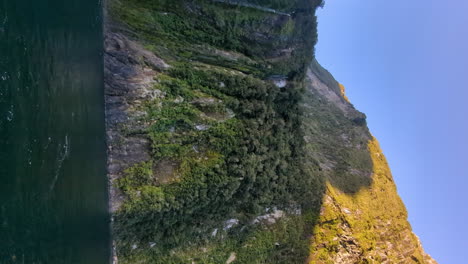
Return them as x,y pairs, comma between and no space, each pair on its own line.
53,197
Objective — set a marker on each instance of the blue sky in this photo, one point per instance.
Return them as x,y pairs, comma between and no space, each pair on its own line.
405,64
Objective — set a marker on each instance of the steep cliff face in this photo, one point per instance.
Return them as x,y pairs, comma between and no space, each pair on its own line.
228,143
362,219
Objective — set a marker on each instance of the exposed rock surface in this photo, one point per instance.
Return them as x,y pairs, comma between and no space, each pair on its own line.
129,73
231,258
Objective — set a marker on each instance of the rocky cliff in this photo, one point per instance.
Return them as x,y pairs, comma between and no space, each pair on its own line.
229,143
362,219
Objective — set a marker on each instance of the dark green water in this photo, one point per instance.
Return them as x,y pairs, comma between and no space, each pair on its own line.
53,193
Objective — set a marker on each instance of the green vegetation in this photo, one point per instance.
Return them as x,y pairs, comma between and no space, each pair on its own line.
282,242
236,166
189,30
225,143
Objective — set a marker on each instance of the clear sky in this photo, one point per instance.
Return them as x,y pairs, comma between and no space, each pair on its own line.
405,64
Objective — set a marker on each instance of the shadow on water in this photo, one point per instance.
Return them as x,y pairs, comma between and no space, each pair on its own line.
53,198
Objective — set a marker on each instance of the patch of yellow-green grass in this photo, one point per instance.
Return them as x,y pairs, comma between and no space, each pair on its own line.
374,216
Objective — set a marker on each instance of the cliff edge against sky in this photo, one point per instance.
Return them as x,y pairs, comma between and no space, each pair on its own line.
229,143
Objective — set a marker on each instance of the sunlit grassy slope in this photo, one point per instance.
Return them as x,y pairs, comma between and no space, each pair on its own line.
362,219
369,226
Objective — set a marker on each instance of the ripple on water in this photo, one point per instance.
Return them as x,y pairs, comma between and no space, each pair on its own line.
53,199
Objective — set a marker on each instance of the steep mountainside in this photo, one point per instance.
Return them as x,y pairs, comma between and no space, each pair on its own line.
228,143
362,219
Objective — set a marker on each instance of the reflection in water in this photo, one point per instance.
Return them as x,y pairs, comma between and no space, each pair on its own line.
53,197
